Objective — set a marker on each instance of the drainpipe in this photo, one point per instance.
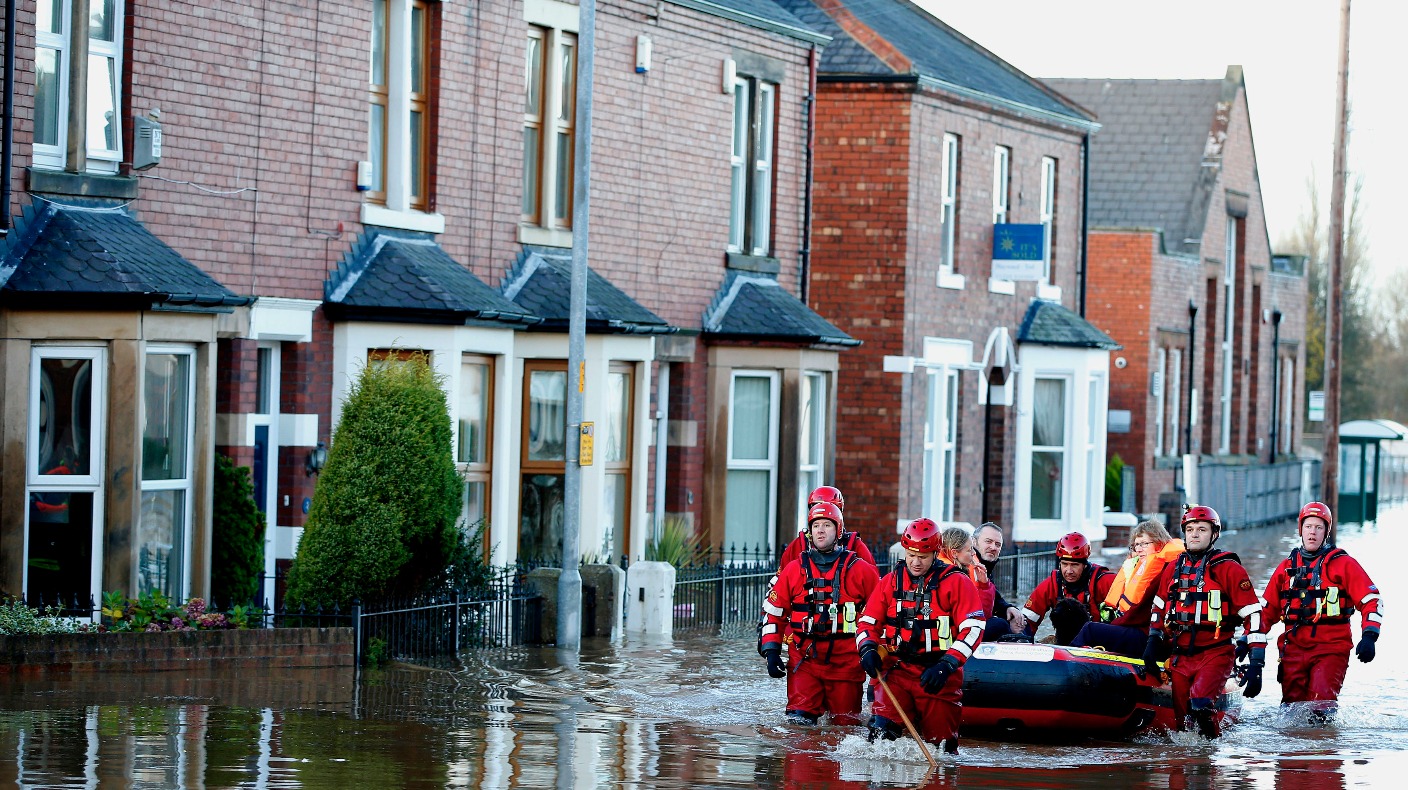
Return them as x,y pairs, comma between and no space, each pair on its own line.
662,435
7,136
1084,216
806,274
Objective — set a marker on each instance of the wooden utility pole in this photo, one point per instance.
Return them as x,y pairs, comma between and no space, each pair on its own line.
1329,477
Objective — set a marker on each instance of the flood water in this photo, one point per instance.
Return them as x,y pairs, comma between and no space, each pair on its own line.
691,712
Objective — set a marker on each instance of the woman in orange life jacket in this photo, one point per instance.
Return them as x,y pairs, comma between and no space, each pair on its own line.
1072,593
814,605
929,617
1125,611
1314,592
958,549
1200,600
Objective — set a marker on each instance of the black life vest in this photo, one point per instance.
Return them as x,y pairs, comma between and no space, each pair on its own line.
821,615
914,629
1194,607
1307,600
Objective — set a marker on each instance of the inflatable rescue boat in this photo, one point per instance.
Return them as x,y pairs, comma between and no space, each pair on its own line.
1017,688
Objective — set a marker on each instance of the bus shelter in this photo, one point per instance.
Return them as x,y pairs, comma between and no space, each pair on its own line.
1368,449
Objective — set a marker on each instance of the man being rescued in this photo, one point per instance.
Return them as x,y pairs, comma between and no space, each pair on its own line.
927,617
813,608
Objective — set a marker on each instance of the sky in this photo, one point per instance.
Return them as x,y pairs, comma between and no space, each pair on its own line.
1288,51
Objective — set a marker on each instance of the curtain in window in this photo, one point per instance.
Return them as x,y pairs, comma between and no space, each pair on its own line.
1048,431
752,411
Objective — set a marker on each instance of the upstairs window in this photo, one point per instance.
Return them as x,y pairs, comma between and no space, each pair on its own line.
549,129
1001,178
53,106
1048,218
754,123
949,206
400,105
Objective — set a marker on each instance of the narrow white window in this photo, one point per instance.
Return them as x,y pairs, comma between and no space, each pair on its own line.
1048,470
812,458
752,461
52,63
1229,301
941,445
64,476
1048,217
1174,398
1288,395
949,206
1094,468
163,532
751,161
1160,375
1001,178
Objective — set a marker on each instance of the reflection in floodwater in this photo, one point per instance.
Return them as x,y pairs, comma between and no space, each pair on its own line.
691,712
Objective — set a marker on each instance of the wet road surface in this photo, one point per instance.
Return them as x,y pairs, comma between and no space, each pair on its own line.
695,711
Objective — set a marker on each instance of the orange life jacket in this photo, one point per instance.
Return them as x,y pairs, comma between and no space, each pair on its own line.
1134,579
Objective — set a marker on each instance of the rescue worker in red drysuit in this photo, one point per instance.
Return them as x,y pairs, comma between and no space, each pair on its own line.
1314,592
929,617
850,541
1201,599
814,606
1072,593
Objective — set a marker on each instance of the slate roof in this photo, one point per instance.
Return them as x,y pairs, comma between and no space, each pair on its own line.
754,307
392,275
935,51
540,282
1050,324
96,254
764,14
1147,161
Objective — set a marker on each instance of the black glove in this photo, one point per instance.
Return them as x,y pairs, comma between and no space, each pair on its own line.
870,660
1151,656
1365,650
936,676
1240,651
775,667
1251,676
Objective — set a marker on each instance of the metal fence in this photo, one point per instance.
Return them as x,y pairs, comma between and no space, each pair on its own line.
1249,496
425,628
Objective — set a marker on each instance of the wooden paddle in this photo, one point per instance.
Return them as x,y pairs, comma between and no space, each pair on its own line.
909,725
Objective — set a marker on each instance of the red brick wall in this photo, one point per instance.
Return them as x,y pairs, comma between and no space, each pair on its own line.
260,649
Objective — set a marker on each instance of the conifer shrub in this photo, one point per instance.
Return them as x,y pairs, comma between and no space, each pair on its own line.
383,520
237,540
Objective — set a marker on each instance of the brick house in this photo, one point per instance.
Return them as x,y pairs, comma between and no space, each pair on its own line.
346,183
1182,275
974,397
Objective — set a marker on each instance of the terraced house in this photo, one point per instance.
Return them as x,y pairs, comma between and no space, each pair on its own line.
222,212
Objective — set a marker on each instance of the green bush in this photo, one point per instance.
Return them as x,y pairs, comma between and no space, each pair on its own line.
1113,482
16,618
237,543
467,569
677,544
384,513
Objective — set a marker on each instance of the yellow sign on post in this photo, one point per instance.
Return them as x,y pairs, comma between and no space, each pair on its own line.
584,444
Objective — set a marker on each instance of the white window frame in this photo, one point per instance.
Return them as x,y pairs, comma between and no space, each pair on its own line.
398,211
1229,324
811,475
1174,398
1160,376
89,483
940,445
1094,427
1068,404
769,464
186,484
755,128
1288,394
1001,183
1048,216
100,159
949,163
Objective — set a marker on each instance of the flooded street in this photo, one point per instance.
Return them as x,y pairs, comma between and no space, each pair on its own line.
697,711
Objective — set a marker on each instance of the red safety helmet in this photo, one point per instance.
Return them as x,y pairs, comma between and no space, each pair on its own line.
830,494
829,511
1073,546
1201,513
1323,511
922,534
